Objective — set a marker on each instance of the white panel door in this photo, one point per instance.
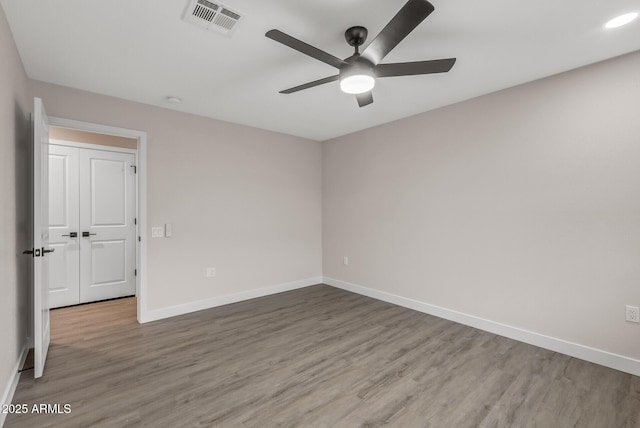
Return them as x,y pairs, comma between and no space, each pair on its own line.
40,250
64,226
107,207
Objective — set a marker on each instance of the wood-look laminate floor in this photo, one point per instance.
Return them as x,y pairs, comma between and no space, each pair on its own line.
314,357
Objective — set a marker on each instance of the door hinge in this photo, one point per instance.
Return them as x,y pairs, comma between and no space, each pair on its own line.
135,272
135,221
135,169
139,238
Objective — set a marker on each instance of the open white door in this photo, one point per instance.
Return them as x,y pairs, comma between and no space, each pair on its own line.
40,248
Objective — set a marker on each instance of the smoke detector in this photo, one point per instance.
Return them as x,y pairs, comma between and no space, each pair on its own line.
213,16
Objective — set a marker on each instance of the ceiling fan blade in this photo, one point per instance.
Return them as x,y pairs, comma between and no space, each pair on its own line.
305,48
365,99
413,68
310,84
408,18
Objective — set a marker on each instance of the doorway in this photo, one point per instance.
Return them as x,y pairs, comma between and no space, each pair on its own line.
92,218
111,150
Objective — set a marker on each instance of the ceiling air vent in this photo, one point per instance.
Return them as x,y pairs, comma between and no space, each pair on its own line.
212,16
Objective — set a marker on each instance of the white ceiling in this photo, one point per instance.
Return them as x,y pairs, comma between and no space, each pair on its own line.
142,51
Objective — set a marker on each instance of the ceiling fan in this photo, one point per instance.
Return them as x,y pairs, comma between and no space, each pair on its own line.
357,73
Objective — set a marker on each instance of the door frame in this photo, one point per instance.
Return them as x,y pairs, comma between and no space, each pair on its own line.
141,196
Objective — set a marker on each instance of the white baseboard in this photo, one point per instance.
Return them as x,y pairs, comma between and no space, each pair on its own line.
598,356
172,311
10,389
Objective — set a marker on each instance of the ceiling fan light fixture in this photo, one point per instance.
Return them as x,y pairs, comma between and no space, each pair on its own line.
357,83
357,77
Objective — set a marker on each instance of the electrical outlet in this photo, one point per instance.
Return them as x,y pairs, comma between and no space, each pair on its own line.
157,232
211,272
633,313
345,261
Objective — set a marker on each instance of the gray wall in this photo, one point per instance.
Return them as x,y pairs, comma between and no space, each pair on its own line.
520,207
14,196
240,199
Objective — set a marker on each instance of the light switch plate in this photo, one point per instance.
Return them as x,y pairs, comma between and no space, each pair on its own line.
157,232
168,230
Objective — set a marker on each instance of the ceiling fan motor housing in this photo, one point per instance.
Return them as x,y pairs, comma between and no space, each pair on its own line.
357,65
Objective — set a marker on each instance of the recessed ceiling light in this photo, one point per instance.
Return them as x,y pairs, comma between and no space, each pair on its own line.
621,20
174,100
